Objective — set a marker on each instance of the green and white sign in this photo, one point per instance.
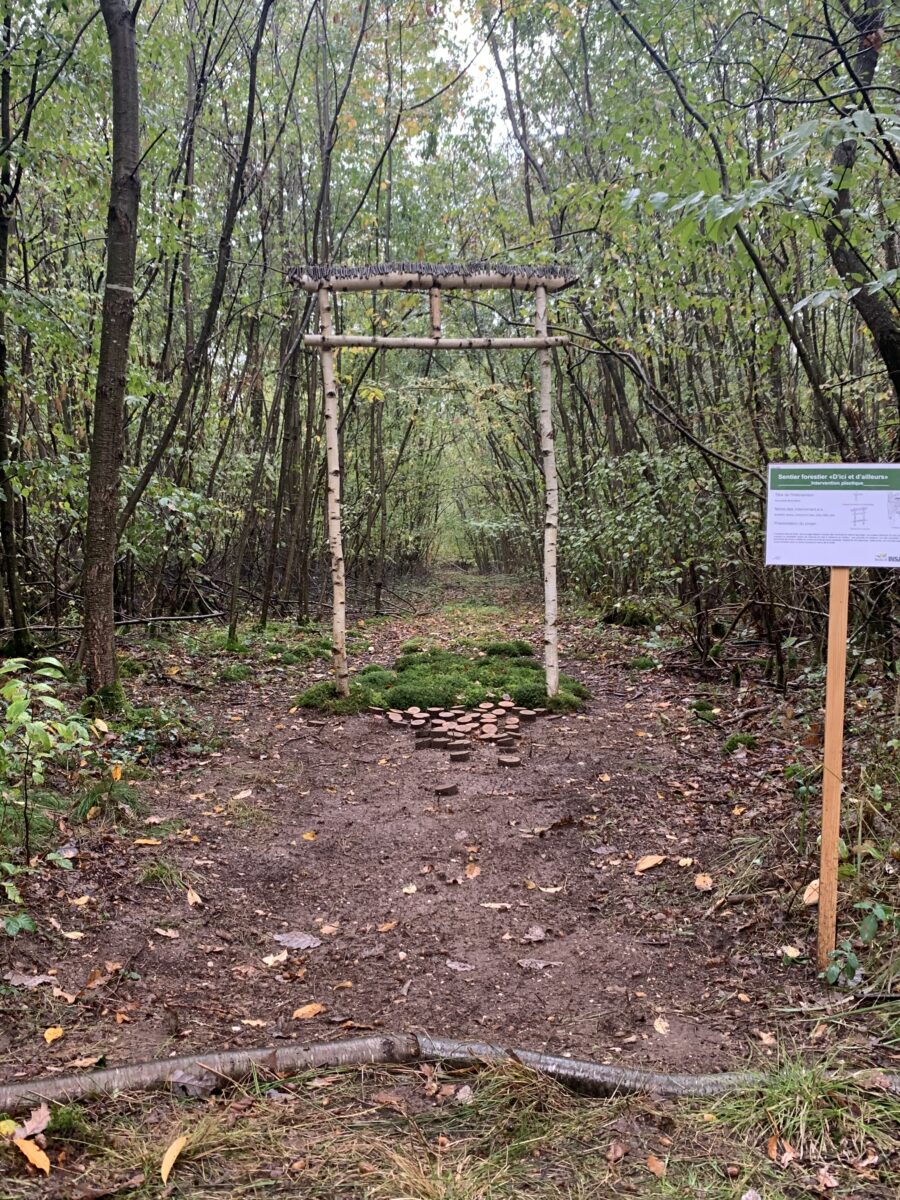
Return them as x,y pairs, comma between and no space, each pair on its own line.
833,515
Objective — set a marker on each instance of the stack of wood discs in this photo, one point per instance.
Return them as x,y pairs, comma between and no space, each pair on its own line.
454,729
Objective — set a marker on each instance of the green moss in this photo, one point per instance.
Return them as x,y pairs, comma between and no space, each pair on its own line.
739,739
514,649
235,674
69,1123
413,646
643,662
702,706
130,668
629,615
562,702
290,659
324,697
105,701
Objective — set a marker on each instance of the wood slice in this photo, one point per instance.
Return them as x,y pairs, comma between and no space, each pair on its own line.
446,789
512,722
509,760
460,755
413,710
540,712
438,725
418,723
498,713
489,730
527,714
507,743
434,711
486,706
440,743
446,715
459,745
507,704
422,743
395,718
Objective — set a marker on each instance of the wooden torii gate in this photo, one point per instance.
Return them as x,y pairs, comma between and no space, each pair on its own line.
324,281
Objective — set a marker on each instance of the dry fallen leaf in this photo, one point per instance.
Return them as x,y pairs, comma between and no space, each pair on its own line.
780,1150
36,1122
409,890
273,960
34,1154
78,901
616,1152
166,933
647,862
310,835
811,894
387,926
53,1034
496,905
193,897
169,1157
656,1166
244,795
703,883
685,862
329,930
73,935
550,891
307,1011
147,841
473,871
297,940
661,1025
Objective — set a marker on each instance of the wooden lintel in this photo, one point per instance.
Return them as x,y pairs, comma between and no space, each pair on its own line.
432,343
416,281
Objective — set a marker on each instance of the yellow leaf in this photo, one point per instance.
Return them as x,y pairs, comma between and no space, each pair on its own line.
387,926
308,1011
328,930
193,897
656,1166
53,1034
550,891
685,862
661,1025
345,983
7,1128
310,835
255,1022
116,772
811,894
703,883
147,842
78,901
74,935
272,960
168,1162
34,1154
101,726
92,812
647,862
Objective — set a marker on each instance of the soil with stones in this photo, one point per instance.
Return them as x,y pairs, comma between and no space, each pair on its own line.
320,885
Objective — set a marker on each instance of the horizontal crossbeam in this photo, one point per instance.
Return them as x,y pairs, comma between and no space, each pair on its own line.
470,278
432,343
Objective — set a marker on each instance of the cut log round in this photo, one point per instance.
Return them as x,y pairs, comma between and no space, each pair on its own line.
418,723
413,710
395,718
488,730
422,743
527,714
460,755
446,789
507,704
486,706
509,760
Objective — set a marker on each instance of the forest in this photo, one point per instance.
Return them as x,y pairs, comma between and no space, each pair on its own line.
717,186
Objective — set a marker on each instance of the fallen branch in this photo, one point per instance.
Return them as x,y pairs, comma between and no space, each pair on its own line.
384,1049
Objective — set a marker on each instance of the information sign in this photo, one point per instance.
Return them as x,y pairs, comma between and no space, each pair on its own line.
833,515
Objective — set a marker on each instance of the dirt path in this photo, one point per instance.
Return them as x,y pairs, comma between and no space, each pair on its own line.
510,911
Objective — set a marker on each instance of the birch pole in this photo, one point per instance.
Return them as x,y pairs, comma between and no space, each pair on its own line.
551,501
333,501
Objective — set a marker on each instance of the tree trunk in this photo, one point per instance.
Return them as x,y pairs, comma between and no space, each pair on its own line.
551,502
99,647
333,468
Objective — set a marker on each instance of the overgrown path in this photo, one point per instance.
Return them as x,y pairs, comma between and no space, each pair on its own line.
605,898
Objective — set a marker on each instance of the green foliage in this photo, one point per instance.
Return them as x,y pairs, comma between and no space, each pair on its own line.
643,662
628,614
513,649
324,697
736,740
438,678
236,673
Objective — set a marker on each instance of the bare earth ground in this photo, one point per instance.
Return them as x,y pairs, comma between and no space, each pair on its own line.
331,827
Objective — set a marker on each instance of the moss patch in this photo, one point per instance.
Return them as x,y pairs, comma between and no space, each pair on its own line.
441,678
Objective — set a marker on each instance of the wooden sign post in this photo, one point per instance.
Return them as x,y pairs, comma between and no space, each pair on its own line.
832,770
817,515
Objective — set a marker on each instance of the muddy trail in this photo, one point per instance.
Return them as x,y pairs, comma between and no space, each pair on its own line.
304,880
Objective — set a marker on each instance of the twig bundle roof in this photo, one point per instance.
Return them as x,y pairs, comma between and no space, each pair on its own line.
422,276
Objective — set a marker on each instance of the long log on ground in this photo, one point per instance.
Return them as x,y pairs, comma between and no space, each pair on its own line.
394,1048
376,341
